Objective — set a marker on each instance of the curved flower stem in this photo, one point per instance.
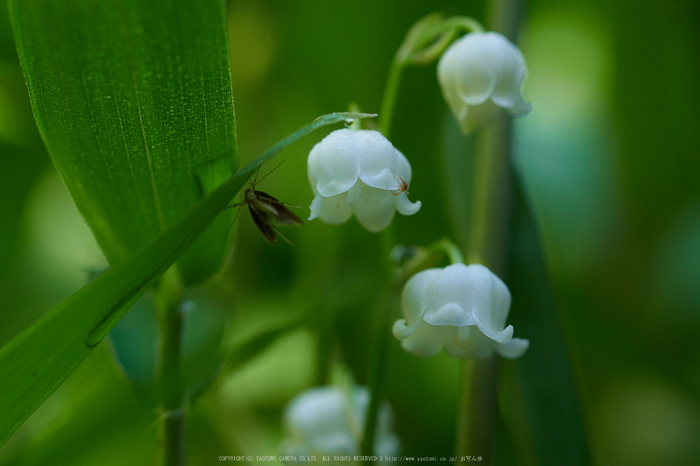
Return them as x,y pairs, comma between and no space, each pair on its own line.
448,247
463,23
424,43
170,386
391,90
490,218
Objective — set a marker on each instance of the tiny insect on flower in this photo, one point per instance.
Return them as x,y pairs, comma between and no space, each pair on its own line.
359,173
267,210
401,187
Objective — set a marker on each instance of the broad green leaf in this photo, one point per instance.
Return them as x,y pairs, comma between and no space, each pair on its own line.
35,363
133,100
540,399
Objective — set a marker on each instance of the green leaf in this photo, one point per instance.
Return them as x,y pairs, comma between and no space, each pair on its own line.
38,360
540,400
133,100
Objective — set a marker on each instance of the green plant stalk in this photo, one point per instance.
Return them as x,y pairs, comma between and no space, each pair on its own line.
171,386
173,432
485,170
478,383
490,220
391,91
478,408
478,399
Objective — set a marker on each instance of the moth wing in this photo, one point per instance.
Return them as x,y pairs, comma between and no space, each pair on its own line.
263,223
263,206
267,198
287,217
284,215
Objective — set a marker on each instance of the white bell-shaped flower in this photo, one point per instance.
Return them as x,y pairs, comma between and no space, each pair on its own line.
480,74
461,308
359,172
330,421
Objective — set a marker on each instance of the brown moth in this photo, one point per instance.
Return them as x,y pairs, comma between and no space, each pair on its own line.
267,210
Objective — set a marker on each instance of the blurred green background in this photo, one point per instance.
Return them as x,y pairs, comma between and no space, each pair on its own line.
609,160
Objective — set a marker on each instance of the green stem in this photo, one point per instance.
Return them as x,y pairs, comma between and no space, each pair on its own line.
487,245
170,385
391,91
484,207
478,408
174,438
448,247
463,23
376,377
424,43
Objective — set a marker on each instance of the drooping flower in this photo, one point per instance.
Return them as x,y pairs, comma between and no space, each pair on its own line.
481,74
359,172
461,308
330,421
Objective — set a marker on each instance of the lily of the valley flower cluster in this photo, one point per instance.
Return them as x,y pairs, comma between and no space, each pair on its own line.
460,308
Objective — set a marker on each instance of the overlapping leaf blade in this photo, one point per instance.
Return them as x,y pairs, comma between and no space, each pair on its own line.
541,396
133,100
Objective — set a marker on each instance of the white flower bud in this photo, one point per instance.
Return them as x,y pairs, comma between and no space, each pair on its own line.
330,421
479,74
359,172
461,308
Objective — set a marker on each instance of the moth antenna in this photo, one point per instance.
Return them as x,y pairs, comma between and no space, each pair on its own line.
265,176
255,178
